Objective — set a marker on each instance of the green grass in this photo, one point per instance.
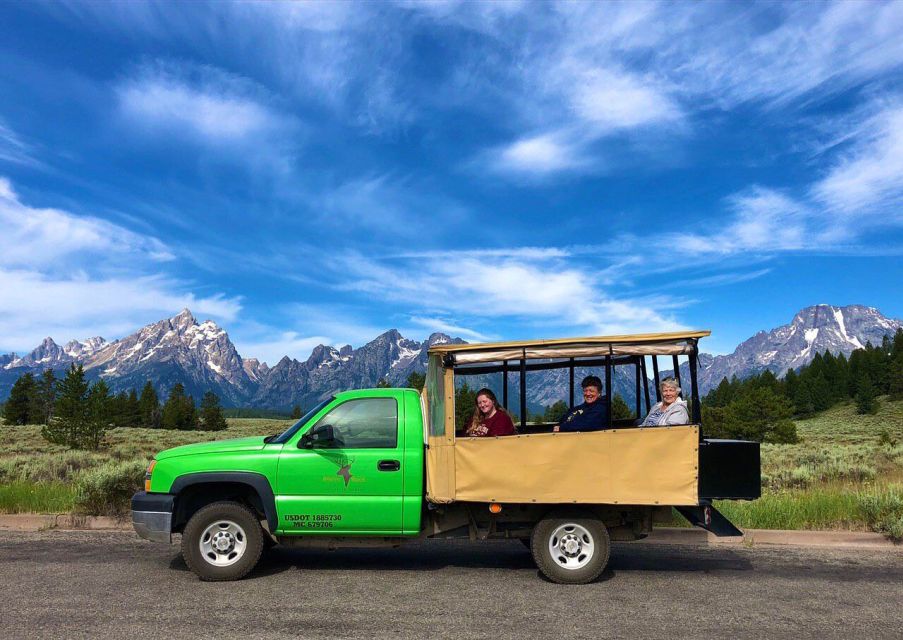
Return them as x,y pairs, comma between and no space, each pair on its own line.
39,477
36,497
845,473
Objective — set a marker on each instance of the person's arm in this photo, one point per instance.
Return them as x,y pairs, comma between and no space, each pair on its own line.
679,415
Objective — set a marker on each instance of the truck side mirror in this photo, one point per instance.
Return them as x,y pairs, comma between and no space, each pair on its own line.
321,436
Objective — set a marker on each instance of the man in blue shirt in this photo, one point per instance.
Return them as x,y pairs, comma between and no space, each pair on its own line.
592,415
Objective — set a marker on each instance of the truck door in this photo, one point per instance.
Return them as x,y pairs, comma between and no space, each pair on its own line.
349,479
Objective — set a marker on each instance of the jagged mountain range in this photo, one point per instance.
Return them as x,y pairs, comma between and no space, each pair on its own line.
202,357
815,329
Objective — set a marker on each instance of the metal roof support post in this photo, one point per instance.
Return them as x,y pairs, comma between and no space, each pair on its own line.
571,382
676,371
637,394
697,410
505,384
523,391
608,385
658,384
645,382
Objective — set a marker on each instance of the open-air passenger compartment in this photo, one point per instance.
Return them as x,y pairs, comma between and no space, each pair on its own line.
623,465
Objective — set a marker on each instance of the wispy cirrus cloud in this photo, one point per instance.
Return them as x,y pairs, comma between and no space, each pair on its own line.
867,179
72,276
442,325
469,291
204,105
15,150
43,237
861,191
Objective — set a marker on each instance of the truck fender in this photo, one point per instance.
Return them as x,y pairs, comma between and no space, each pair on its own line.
256,481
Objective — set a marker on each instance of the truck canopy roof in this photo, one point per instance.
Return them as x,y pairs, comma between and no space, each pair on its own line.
672,344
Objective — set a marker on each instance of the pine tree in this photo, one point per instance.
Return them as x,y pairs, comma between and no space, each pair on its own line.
296,412
21,401
465,401
119,409
803,404
44,398
212,413
71,411
556,413
767,380
761,415
149,407
790,383
100,412
895,367
821,392
179,411
620,410
720,396
416,380
190,412
866,395
132,410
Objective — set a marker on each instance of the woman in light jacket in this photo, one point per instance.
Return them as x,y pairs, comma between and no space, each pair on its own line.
671,410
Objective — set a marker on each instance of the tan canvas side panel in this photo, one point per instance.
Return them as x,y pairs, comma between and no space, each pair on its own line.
536,468
655,466
629,466
440,471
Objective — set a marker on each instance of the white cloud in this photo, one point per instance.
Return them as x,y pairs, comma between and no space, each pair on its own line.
34,305
72,276
201,103
440,325
868,178
45,237
611,100
468,290
13,149
279,345
388,205
540,154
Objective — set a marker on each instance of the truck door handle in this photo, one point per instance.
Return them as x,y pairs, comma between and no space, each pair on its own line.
388,465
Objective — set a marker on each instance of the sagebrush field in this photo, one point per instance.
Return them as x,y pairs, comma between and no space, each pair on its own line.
846,473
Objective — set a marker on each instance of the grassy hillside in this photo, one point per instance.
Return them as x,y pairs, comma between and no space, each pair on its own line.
36,476
846,473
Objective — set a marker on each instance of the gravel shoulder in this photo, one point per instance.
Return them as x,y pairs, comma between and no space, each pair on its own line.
113,584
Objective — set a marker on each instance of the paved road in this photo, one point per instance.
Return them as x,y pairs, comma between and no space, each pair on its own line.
113,585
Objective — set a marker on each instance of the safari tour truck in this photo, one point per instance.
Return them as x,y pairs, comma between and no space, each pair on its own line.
386,466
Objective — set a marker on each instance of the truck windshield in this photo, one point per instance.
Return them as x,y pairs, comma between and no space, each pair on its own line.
286,435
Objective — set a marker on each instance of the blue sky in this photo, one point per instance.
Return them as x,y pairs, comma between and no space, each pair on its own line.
319,173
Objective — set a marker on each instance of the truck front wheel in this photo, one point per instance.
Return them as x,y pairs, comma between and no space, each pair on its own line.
570,549
222,541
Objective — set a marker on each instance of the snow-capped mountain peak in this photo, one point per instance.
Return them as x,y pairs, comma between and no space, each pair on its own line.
814,329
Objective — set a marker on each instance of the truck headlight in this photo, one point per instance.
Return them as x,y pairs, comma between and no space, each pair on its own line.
148,473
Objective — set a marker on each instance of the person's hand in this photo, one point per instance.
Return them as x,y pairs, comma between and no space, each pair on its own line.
556,428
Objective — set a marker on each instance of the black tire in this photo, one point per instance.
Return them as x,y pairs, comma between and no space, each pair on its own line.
583,532
231,522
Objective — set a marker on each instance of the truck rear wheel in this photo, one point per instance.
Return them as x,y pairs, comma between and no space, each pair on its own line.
222,541
570,548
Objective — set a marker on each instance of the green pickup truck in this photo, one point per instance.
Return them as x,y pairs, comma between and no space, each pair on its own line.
386,466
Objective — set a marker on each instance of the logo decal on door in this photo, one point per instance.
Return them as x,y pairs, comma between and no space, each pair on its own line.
345,472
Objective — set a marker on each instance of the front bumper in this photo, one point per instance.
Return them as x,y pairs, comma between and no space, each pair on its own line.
152,516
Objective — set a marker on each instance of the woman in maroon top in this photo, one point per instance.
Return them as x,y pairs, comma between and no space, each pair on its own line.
489,418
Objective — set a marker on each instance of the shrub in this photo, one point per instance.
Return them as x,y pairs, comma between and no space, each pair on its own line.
883,511
108,489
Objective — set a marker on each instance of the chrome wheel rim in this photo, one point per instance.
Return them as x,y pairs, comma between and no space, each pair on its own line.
223,543
571,546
